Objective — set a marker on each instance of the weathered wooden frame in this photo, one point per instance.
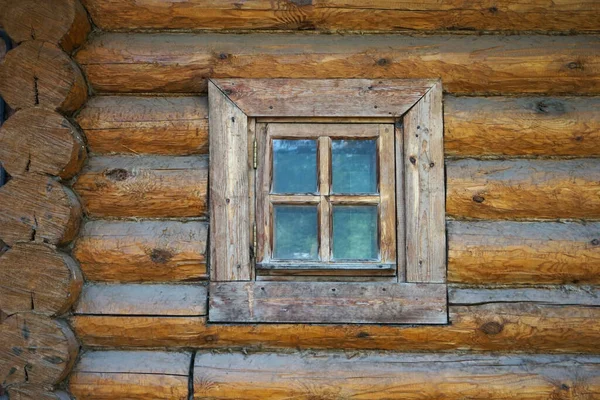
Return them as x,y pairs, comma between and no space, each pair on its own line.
415,107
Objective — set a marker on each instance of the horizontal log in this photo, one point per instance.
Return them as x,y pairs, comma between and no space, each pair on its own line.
36,350
131,299
142,251
523,252
41,141
392,376
132,375
63,22
517,189
146,125
335,15
474,127
500,326
158,186
38,209
556,295
40,73
121,62
38,278
523,189
528,126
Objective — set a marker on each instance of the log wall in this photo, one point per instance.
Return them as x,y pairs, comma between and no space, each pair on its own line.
522,147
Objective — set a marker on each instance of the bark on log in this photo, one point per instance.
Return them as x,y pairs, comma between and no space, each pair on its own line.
132,375
499,326
522,189
40,73
474,127
529,126
144,251
62,22
38,209
36,350
146,125
120,62
100,299
334,15
31,392
38,278
378,376
41,141
523,252
158,186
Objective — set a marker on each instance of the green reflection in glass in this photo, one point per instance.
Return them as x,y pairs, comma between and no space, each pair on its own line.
354,164
296,233
294,166
355,233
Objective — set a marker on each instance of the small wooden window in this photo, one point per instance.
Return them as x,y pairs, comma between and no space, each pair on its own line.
327,201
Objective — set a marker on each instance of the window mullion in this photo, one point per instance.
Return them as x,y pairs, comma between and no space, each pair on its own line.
325,207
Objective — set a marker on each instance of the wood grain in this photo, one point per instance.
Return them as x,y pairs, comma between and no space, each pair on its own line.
39,209
149,300
40,73
146,125
523,189
142,251
323,97
344,15
132,375
473,126
41,141
424,195
229,187
391,376
327,302
62,22
33,392
530,253
157,186
38,278
525,126
121,62
35,349
499,326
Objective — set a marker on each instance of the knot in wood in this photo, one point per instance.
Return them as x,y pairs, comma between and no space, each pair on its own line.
478,199
595,242
493,10
117,174
413,160
160,256
382,62
575,65
492,328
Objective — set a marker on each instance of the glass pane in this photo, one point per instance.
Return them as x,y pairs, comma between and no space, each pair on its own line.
355,233
296,233
354,164
294,166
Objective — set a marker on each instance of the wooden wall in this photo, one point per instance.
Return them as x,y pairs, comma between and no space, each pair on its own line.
522,144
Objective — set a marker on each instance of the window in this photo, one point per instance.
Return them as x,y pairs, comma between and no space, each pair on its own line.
327,201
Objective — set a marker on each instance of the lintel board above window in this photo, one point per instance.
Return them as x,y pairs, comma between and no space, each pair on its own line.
259,271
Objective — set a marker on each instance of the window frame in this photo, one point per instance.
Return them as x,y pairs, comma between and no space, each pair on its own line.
419,293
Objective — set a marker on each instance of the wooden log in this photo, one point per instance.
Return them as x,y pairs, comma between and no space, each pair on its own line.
31,392
528,126
40,73
158,186
35,349
392,376
500,326
132,375
142,251
38,278
41,141
146,125
120,62
335,15
131,299
62,22
474,127
523,252
38,209
523,189
556,295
